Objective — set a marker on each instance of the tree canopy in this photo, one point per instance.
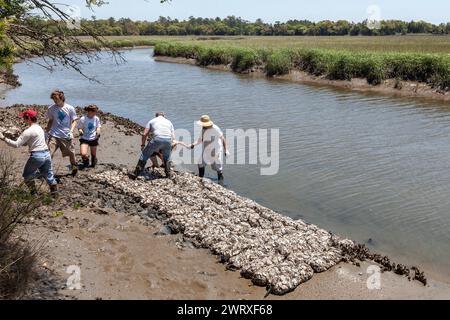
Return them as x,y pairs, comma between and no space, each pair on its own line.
237,26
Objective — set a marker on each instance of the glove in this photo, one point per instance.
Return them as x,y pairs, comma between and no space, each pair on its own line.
70,135
2,137
227,153
81,133
97,136
192,146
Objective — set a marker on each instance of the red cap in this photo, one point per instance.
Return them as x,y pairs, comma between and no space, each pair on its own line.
28,114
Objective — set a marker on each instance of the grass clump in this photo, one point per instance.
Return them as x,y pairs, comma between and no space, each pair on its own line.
278,63
244,59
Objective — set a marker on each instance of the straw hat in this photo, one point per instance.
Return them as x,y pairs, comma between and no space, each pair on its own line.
205,122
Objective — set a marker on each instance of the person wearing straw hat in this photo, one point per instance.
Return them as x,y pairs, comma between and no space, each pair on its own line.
40,160
214,147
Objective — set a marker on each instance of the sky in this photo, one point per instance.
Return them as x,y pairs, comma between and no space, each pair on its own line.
435,11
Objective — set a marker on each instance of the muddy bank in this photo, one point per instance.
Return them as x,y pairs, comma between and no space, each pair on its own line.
391,87
159,238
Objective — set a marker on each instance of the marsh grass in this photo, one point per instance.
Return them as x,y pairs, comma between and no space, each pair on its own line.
334,64
422,58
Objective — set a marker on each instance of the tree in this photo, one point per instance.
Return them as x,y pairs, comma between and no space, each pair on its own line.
53,40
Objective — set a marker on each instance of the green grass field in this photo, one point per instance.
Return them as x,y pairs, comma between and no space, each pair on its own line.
423,58
409,43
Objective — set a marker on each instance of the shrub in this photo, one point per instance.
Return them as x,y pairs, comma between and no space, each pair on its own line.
244,60
278,63
17,259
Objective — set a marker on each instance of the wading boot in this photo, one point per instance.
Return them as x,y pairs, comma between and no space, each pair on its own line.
201,172
93,161
220,177
85,162
167,169
54,190
139,169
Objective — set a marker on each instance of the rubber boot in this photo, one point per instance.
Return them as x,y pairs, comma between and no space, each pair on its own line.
31,184
139,169
85,162
54,190
201,172
167,169
93,161
220,177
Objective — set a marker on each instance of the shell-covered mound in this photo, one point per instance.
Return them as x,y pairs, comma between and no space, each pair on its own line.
272,250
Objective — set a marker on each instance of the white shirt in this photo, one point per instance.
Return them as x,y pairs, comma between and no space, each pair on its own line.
212,144
62,120
160,127
33,137
89,127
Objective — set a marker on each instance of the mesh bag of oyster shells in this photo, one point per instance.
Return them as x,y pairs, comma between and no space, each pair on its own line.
270,249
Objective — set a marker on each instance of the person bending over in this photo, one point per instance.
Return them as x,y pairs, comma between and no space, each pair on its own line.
40,161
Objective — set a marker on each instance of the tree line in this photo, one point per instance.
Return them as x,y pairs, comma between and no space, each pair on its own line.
236,26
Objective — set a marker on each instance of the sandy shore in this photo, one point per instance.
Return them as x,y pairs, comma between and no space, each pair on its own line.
121,256
389,87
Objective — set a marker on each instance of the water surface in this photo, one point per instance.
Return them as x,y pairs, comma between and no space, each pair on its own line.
364,166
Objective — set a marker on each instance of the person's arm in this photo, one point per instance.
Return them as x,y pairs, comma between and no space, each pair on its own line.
225,144
49,125
177,143
74,116
74,125
99,128
23,139
80,127
145,137
196,143
50,121
173,133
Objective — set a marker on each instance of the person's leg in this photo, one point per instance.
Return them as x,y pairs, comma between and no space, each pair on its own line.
29,173
202,168
218,167
47,171
166,150
155,163
93,156
68,150
148,151
53,146
84,154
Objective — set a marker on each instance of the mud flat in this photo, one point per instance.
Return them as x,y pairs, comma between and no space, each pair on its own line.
182,238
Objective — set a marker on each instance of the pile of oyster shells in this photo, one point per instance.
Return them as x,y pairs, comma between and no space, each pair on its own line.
270,249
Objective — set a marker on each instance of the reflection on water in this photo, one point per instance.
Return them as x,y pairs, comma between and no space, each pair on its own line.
360,165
